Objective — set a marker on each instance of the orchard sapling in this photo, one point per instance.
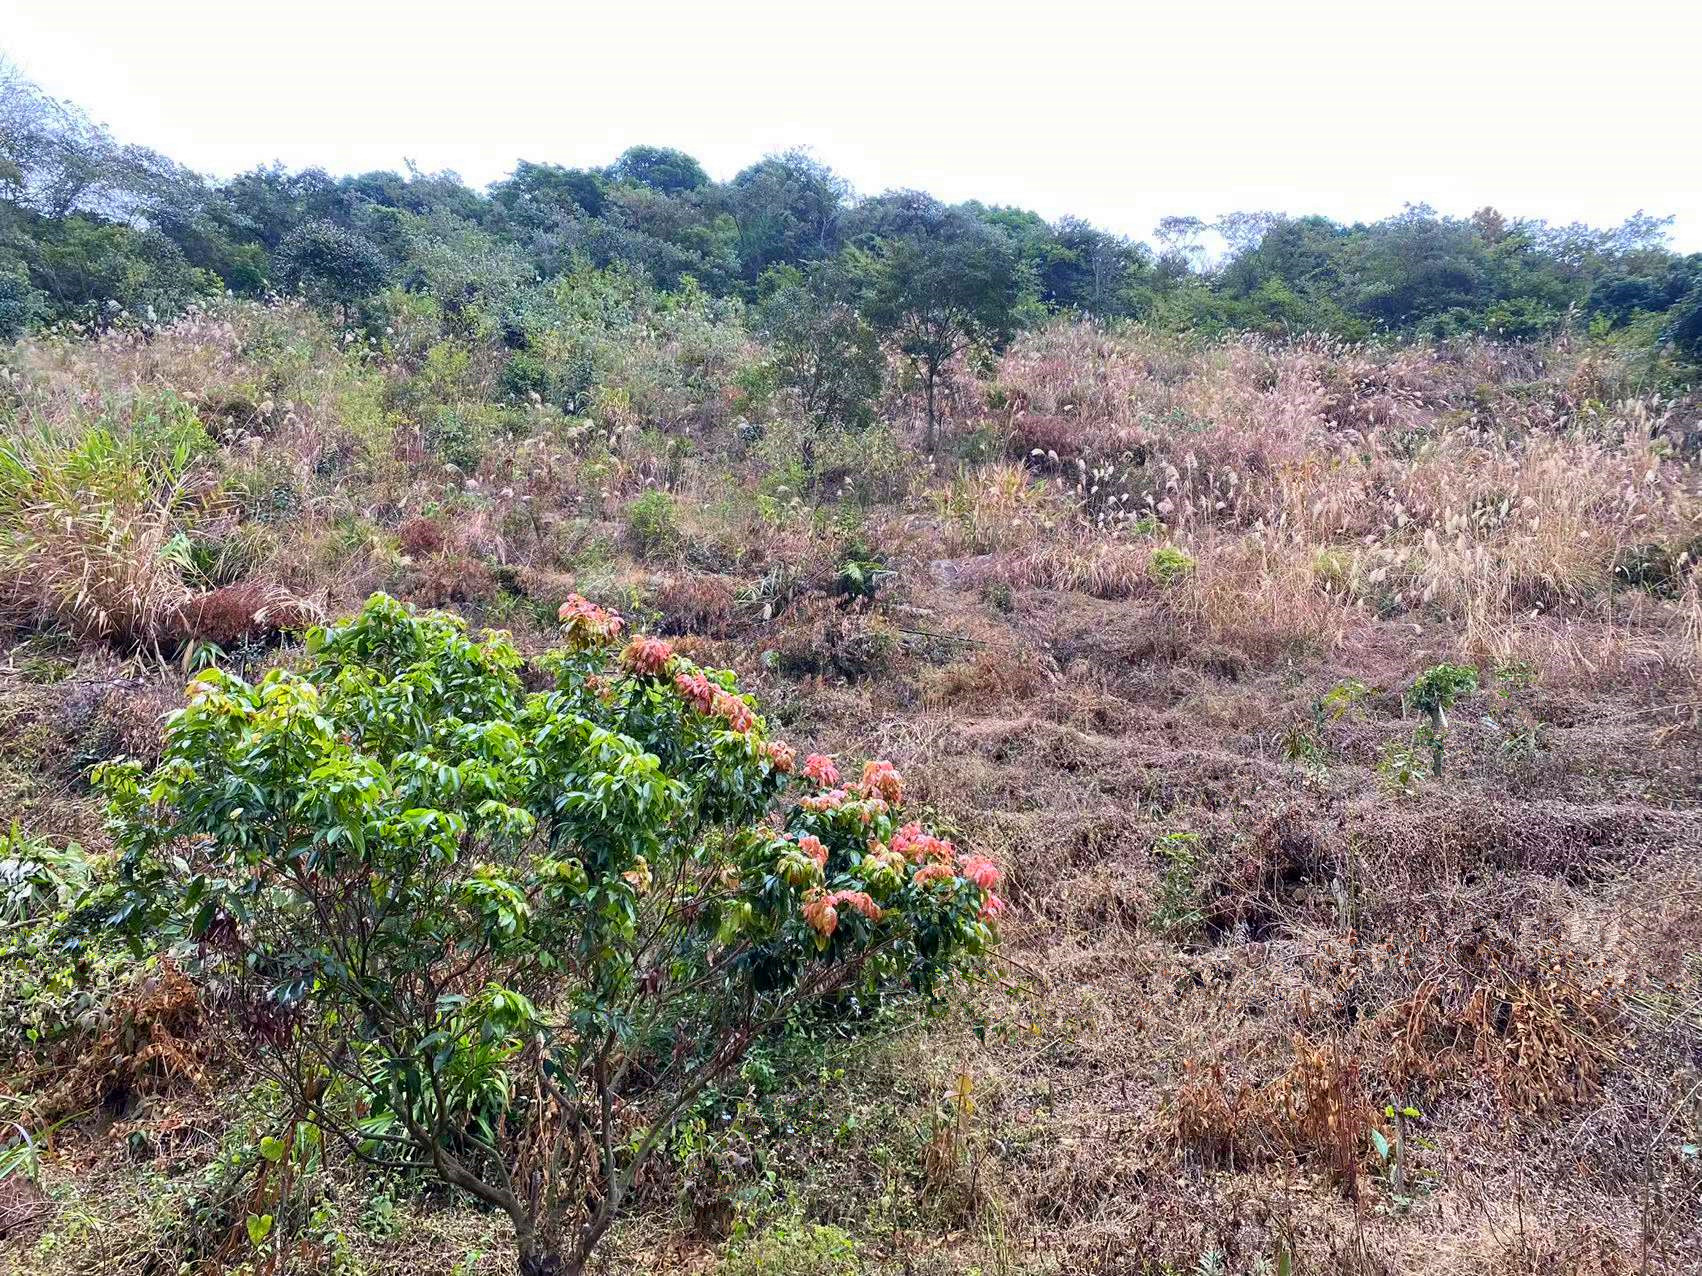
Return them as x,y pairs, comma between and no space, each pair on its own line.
1433,693
509,936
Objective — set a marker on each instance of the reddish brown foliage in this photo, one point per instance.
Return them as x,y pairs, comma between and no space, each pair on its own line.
247,610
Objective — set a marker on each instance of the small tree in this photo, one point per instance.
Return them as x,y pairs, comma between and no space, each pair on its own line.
1433,693
513,936
332,265
823,349
945,284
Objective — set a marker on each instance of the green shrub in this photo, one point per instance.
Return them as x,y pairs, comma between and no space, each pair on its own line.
524,374
20,304
56,995
1176,911
653,524
1439,686
793,1249
431,896
458,435
1433,693
1170,565
38,878
824,350
863,577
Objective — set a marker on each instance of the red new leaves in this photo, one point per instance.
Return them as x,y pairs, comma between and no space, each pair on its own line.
848,853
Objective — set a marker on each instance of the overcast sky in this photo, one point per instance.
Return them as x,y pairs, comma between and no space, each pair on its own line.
1118,112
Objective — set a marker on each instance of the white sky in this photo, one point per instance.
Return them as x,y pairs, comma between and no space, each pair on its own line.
1118,112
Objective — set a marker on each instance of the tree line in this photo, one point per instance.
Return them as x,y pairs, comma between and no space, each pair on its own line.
91,228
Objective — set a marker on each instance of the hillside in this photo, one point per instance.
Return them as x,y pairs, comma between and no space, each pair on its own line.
1148,617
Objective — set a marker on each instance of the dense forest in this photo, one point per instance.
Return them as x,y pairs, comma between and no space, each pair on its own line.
91,229
626,723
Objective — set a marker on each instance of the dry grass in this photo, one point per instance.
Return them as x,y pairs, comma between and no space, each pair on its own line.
1317,485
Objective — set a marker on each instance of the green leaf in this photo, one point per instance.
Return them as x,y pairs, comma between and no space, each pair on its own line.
259,1228
272,1149
1382,1144
203,918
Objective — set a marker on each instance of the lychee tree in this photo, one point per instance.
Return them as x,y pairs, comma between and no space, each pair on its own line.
511,935
1433,693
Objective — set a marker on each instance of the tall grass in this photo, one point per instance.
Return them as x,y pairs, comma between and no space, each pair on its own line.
94,526
1319,484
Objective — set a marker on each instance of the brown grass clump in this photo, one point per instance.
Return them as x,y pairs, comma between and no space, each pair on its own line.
155,1037
988,675
701,604
250,609
420,536
452,579
100,565
1542,1031
822,638
1099,569
1317,1111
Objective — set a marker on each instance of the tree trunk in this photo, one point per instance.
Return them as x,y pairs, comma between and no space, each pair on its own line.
1438,725
933,419
807,458
537,1259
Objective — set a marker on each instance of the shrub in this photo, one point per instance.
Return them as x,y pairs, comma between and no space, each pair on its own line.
37,877
1652,567
861,576
1176,910
269,492
827,640
524,374
653,524
458,436
20,304
793,1250
514,936
1170,565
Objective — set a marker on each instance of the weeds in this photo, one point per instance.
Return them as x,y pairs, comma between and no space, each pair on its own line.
1177,910
1303,742
653,524
1170,565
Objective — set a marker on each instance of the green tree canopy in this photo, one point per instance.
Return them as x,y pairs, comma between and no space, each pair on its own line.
661,168
938,282
511,936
